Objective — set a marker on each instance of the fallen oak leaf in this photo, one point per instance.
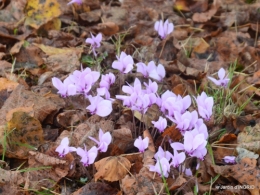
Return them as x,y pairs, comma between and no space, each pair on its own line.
246,172
112,168
206,16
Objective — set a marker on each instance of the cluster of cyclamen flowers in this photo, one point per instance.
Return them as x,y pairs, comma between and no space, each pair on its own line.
174,107
140,98
87,156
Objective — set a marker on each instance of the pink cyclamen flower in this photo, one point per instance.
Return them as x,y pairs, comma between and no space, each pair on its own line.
65,88
161,100
161,124
195,145
141,144
99,106
162,167
124,63
84,80
75,1
230,159
223,78
64,148
104,140
107,80
158,73
177,158
205,105
145,69
95,42
200,128
87,157
151,87
185,121
162,154
163,29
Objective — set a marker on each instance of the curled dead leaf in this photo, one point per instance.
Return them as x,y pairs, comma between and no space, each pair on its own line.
108,28
206,16
246,172
112,168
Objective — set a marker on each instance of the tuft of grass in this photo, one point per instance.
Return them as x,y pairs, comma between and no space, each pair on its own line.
223,103
211,182
4,141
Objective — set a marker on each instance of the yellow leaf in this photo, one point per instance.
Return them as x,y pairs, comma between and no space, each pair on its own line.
181,5
40,12
23,134
54,24
53,50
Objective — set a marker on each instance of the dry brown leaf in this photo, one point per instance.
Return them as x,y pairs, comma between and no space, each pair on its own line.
96,188
24,133
28,110
201,47
246,172
173,133
43,106
16,48
250,139
11,177
55,51
54,170
108,28
122,138
178,183
112,168
225,150
206,16
7,85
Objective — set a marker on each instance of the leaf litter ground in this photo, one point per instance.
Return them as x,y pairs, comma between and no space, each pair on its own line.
45,39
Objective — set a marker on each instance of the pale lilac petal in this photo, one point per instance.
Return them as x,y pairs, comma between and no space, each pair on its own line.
90,41
142,68
161,71
122,56
104,108
107,138
57,83
92,154
117,65
146,142
72,90
199,140
230,159
188,141
75,1
81,152
170,28
216,82
93,139
153,74
221,73
156,25
177,146
186,102
98,39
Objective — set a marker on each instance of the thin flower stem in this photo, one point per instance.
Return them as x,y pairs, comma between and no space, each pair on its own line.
134,122
155,132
